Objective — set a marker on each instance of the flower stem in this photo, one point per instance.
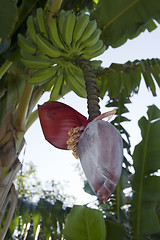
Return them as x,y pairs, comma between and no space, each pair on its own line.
91,88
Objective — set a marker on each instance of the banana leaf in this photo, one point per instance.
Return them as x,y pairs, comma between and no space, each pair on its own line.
123,19
146,181
84,223
125,78
8,18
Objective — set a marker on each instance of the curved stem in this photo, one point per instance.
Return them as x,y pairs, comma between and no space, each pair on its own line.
5,67
91,88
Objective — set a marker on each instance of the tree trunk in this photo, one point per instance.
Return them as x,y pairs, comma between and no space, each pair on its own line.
9,166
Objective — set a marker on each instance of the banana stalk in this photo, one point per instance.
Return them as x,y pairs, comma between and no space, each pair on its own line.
91,88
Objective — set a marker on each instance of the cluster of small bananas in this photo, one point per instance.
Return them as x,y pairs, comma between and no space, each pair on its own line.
52,49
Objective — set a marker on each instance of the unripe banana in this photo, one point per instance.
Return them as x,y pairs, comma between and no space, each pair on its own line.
91,27
95,54
94,48
42,23
48,85
31,28
68,37
61,21
26,54
54,34
74,85
80,25
68,28
37,55
91,40
43,75
46,47
62,12
77,74
64,89
37,63
57,87
26,44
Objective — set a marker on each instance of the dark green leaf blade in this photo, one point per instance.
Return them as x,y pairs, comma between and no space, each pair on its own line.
121,20
125,78
84,223
146,184
8,17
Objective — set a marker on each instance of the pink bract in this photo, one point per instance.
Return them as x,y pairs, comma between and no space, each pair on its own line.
100,149
57,119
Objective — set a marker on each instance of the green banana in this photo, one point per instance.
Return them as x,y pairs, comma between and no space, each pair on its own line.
42,23
48,85
54,34
26,44
80,25
37,55
91,27
74,85
61,21
37,63
46,47
64,89
57,87
93,48
43,75
91,40
95,54
68,27
31,28
77,74
62,12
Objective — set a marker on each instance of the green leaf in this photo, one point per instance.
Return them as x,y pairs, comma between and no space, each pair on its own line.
123,19
84,223
125,78
8,18
88,189
146,184
115,230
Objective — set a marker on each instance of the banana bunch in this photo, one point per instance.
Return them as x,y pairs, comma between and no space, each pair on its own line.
78,35
52,49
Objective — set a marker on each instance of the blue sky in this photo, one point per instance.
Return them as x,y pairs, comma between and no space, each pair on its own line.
52,163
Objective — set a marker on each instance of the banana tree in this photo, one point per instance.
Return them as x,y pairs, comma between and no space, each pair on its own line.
49,46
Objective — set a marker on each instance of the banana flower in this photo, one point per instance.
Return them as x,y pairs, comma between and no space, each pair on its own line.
98,144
